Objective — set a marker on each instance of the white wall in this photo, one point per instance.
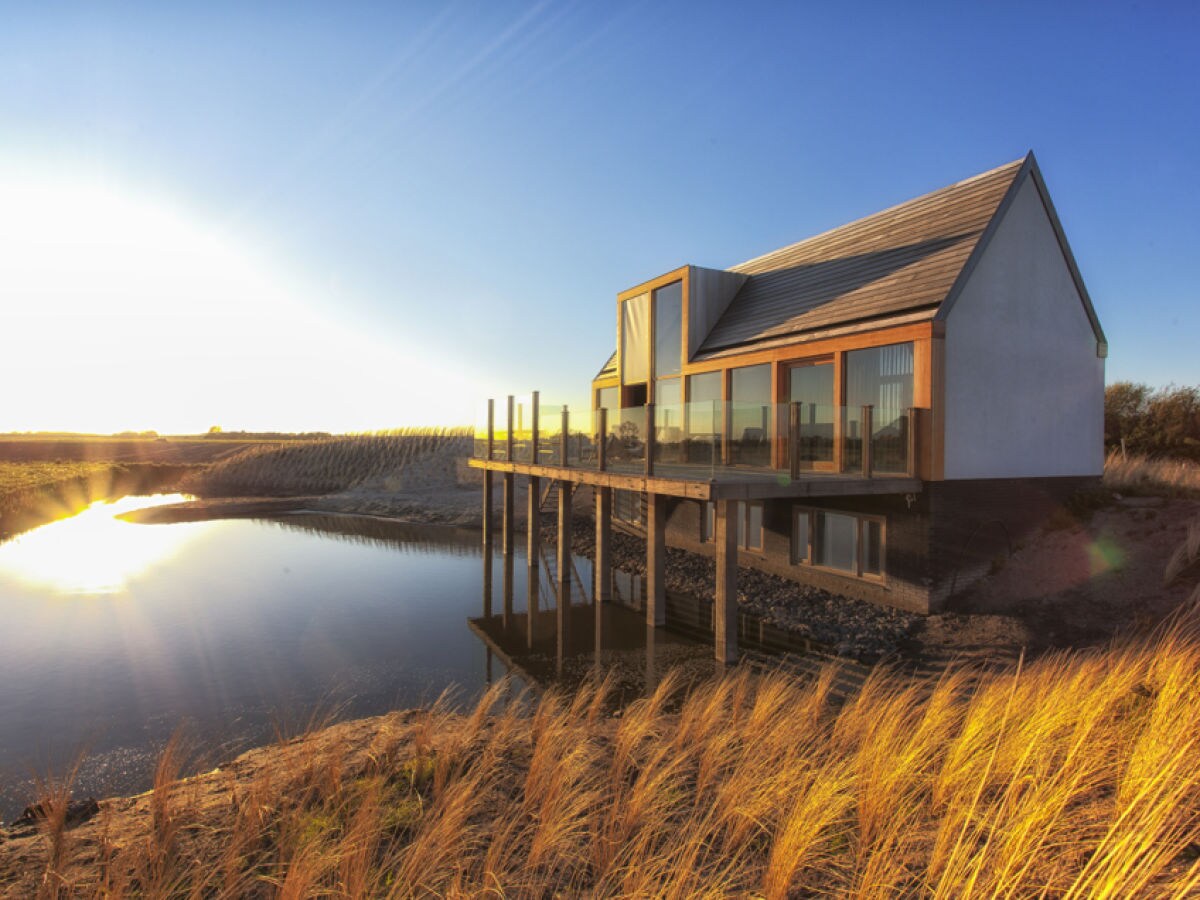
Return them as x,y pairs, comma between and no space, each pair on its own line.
1024,384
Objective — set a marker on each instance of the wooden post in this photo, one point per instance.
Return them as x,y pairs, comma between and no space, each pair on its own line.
509,520
910,443
867,428
491,439
602,443
794,439
564,533
533,519
487,510
656,560
533,441
508,435
725,601
564,437
604,508
563,606
649,439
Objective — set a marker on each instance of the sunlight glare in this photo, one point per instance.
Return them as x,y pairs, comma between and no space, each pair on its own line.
95,553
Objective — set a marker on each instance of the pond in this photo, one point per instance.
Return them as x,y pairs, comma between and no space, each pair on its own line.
115,634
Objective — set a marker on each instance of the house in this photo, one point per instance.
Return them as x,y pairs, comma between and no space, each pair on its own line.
881,410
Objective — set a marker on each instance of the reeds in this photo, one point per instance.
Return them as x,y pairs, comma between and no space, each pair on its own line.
1073,776
1147,475
328,466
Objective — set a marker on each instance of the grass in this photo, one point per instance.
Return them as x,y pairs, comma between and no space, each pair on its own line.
1075,776
21,477
327,466
1135,474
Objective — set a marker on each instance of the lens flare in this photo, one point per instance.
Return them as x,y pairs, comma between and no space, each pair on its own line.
95,553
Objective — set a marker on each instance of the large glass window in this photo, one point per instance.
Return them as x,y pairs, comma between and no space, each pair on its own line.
635,339
668,330
750,415
703,415
811,386
883,378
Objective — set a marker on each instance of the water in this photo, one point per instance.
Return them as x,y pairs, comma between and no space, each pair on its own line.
113,634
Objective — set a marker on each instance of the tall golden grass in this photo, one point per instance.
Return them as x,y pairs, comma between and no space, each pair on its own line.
325,466
1075,776
1143,474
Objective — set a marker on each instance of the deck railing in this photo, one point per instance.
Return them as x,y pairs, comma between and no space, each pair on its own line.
713,437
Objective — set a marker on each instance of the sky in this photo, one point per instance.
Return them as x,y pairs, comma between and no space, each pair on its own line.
352,216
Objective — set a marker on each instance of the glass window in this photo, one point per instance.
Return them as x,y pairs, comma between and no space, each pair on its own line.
703,414
750,415
881,377
872,547
708,522
812,388
635,337
754,529
800,520
607,398
666,393
668,330
837,541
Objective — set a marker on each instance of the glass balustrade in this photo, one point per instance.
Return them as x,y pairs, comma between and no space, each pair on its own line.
691,439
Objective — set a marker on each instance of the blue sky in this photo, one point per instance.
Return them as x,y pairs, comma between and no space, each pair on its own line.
459,190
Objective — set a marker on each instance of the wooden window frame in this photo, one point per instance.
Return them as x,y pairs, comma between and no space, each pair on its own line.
708,507
860,549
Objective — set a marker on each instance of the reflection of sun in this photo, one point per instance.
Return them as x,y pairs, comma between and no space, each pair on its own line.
94,552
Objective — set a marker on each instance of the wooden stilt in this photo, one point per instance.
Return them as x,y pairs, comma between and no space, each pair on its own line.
656,560
725,602
488,502
509,521
604,508
563,573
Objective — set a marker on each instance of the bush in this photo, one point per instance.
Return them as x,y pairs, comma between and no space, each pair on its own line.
1163,422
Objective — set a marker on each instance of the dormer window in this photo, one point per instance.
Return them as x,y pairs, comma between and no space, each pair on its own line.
668,330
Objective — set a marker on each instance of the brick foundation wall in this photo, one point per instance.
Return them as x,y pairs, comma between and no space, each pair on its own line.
976,524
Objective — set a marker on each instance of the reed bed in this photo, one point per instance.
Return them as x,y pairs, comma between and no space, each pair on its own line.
328,465
1075,776
1147,475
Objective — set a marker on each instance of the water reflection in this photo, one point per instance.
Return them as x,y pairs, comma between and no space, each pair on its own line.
94,552
551,632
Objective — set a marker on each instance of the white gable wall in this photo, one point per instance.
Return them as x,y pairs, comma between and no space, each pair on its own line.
1024,384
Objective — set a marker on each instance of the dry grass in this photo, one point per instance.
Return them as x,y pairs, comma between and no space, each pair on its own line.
21,478
1144,475
1077,776
325,466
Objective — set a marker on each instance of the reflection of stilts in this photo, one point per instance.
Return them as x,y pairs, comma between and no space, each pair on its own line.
487,580
508,590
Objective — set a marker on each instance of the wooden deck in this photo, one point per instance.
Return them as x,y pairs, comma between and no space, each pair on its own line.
700,484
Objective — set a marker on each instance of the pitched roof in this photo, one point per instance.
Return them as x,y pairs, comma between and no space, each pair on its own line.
903,260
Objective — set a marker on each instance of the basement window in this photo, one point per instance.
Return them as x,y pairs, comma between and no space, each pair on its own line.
749,517
848,543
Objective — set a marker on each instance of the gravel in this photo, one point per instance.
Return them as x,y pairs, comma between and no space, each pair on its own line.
843,625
